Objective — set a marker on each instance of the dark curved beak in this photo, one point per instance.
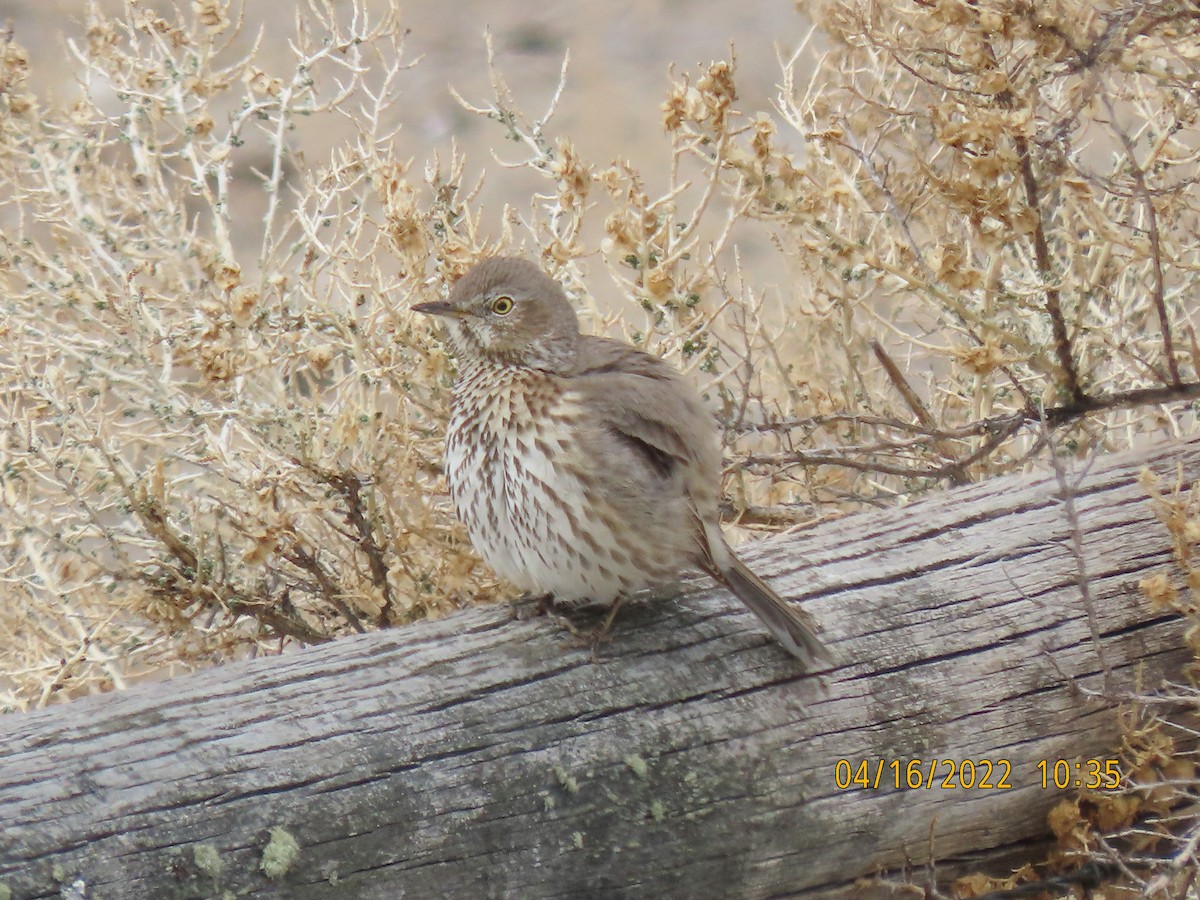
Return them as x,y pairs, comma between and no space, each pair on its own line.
435,308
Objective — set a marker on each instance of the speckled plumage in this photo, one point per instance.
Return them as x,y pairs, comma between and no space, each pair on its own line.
581,466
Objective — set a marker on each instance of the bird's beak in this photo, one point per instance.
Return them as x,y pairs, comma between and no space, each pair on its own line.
436,308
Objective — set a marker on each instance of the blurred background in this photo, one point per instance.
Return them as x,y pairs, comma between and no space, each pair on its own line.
617,77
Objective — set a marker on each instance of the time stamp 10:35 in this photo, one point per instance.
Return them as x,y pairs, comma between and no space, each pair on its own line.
973,774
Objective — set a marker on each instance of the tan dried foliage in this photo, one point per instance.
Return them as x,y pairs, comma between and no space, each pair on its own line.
1142,836
213,445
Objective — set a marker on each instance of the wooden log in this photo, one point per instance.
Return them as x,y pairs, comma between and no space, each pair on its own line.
480,756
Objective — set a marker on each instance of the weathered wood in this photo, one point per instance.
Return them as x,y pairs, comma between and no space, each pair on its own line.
480,756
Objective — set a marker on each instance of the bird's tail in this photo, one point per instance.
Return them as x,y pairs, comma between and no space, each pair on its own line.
792,627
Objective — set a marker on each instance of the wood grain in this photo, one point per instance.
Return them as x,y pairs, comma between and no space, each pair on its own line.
480,756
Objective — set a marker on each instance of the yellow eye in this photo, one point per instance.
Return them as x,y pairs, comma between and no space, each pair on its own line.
502,305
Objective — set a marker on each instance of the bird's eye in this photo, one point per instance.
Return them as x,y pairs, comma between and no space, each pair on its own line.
502,305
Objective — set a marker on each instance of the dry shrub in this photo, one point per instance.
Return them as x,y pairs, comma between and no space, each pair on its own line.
200,413
221,429
1003,196
1141,836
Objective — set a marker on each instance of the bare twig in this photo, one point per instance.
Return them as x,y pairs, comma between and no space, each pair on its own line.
915,403
1066,492
1058,322
1156,260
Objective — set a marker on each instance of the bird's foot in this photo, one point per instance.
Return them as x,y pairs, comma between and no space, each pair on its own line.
530,605
596,636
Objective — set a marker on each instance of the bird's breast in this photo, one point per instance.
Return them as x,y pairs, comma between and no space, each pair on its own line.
507,433
524,478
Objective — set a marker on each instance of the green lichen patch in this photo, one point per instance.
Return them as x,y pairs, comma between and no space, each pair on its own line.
637,765
279,854
567,780
208,860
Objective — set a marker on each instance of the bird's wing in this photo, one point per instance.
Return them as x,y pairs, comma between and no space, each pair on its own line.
649,406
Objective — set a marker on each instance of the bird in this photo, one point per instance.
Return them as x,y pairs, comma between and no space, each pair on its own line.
583,467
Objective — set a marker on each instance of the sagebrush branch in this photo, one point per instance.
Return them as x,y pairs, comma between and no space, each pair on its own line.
997,429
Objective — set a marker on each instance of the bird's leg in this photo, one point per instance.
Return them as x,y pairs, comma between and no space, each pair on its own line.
606,628
602,634
584,636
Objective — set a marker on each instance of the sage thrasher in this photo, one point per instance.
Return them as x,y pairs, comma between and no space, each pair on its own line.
583,467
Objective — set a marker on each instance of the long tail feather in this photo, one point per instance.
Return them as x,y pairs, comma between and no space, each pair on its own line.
792,627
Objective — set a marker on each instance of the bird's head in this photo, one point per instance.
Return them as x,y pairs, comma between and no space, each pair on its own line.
506,311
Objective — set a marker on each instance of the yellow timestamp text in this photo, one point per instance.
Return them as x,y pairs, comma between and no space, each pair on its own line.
968,774
1089,774
924,774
